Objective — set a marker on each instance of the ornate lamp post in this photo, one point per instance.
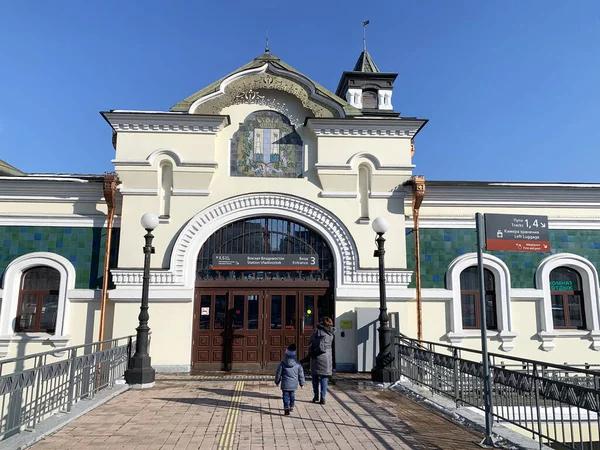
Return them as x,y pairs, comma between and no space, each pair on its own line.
140,373
383,372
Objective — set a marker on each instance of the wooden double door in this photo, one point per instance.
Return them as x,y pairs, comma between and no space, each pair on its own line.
250,329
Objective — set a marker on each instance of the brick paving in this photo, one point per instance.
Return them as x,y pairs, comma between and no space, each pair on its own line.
196,412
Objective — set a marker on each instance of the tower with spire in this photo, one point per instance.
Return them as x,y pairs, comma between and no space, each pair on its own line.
366,87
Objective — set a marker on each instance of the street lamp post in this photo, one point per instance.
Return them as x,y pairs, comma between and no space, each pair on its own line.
383,372
140,373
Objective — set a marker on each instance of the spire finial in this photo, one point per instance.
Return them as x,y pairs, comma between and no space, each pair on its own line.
267,44
365,23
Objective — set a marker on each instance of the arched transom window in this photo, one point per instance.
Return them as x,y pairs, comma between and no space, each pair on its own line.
38,300
566,291
268,236
470,299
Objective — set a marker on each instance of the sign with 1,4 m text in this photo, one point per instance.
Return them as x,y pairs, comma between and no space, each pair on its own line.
265,262
517,233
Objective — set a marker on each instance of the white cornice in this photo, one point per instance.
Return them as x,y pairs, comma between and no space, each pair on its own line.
192,192
390,194
407,168
145,163
558,196
59,220
137,191
333,166
54,179
469,222
165,122
44,191
340,194
394,128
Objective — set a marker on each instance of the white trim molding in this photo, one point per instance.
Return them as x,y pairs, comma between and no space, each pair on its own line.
591,299
137,191
335,194
192,192
10,301
390,128
502,283
56,220
164,122
349,278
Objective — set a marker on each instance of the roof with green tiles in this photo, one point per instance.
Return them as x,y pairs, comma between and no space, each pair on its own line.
365,63
259,61
8,170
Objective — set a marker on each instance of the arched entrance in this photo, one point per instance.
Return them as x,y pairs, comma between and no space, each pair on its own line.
262,283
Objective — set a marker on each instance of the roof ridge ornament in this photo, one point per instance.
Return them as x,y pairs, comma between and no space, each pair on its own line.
267,44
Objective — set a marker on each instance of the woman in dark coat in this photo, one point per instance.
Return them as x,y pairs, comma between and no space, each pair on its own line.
321,366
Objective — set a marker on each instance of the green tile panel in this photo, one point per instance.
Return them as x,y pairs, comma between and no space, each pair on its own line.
440,246
84,247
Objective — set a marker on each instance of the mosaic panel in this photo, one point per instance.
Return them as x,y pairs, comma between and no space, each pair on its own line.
440,246
84,247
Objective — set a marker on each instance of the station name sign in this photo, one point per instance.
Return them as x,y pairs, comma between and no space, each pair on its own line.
517,233
265,262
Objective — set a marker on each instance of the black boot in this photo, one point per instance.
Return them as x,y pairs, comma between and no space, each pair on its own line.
315,399
287,412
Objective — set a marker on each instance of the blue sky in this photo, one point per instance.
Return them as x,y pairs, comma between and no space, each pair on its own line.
511,88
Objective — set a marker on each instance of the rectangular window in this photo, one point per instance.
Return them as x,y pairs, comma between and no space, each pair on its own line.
290,312
558,311
309,312
49,311
323,307
275,312
468,311
237,315
220,312
253,312
490,313
28,310
205,301
575,311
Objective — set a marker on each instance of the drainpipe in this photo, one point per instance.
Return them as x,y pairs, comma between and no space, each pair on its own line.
418,192
110,196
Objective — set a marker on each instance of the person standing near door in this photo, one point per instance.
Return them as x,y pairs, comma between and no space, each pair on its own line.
321,361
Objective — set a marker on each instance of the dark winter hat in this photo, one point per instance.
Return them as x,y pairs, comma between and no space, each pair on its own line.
292,347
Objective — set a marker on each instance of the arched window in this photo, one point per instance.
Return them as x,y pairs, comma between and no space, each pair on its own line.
364,187
470,300
38,300
566,290
369,99
268,236
166,188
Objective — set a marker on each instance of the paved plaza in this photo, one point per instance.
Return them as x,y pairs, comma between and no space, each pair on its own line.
245,412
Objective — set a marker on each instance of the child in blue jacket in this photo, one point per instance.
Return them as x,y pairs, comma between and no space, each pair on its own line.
290,374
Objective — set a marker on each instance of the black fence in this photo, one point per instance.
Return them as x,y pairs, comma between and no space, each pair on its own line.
557,405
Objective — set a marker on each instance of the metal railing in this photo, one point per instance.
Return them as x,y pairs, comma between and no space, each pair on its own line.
34,387
558,404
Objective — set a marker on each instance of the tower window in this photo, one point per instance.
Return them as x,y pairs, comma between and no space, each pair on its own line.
369,100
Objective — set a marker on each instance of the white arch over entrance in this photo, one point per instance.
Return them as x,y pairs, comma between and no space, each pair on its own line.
207,222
